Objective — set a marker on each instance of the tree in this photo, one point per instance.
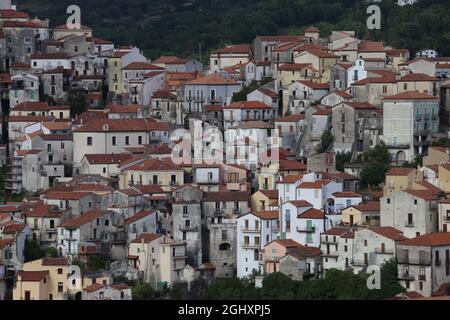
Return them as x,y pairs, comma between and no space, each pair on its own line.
278,286
230,289
77,102
373,173
32,250
342,159
325,141
142,291
51,252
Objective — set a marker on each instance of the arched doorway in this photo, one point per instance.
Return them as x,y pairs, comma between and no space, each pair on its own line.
400,157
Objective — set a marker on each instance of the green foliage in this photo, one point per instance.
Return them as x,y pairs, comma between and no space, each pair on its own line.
51,252
95,263
77,102
342,159
278,286
32,250
415,163
373,173
325,141
231,289
242,94
143,291
441,142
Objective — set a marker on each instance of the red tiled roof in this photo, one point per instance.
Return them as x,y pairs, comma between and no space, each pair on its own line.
268,92
267,215
427,195
346,195
130,192
32,276
31,106
169,60
138,216
21,24
411,95
312,214
335,231
6,242
150,189
141,66
155,165
288,165
314,85
321,54
371,206
237,48
13,228
291,118
248,105
301,252
417,77
50,56
44,210
146,237
300,203
206,266
66,195
108,158
271,194
132,108
163,93
294,66
313,185
360,105
226,196
429,240
292,178
122,125
13,14
83,219
287,243
94,287
399,171
371,46
27,118
389,232
212,79
312,29
55,262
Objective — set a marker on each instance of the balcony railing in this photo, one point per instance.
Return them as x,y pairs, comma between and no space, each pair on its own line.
306,230
189,228
422,262
250,246
409,224
405,276
383,251
250,230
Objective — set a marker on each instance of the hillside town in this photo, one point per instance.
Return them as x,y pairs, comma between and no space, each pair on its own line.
296,154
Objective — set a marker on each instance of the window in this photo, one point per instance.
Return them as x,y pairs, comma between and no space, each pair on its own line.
140,140
114,141
89,141
60,271
127,140
49,148
60,287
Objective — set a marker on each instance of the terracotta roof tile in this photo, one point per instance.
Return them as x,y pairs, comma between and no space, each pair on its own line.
212,79
267,215
389,232
312,214
137,216
32,276
229,196
83,219
300,203
146,237
429,240
411,95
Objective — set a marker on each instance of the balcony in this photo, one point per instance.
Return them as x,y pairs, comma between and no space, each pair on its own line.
398,146
329,241
409,224
188,228
250,246
381,251
237,211
176,257
306,230
422,277
406,277
359,263
250,230
233,186
219,212
420,262
330,255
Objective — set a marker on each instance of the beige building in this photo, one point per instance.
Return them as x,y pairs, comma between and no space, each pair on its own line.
32,285
436,155
362,215
398,179
158,259
264,200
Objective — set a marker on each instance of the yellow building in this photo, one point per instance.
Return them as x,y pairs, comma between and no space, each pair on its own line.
58,270
398,179
444,177
264,200
291,72
363,214
320,60
152,171
115,81
436,155
32,285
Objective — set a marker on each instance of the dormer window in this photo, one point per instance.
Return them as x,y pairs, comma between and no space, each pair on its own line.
105,127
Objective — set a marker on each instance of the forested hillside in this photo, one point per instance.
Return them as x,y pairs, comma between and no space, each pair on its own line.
178,26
